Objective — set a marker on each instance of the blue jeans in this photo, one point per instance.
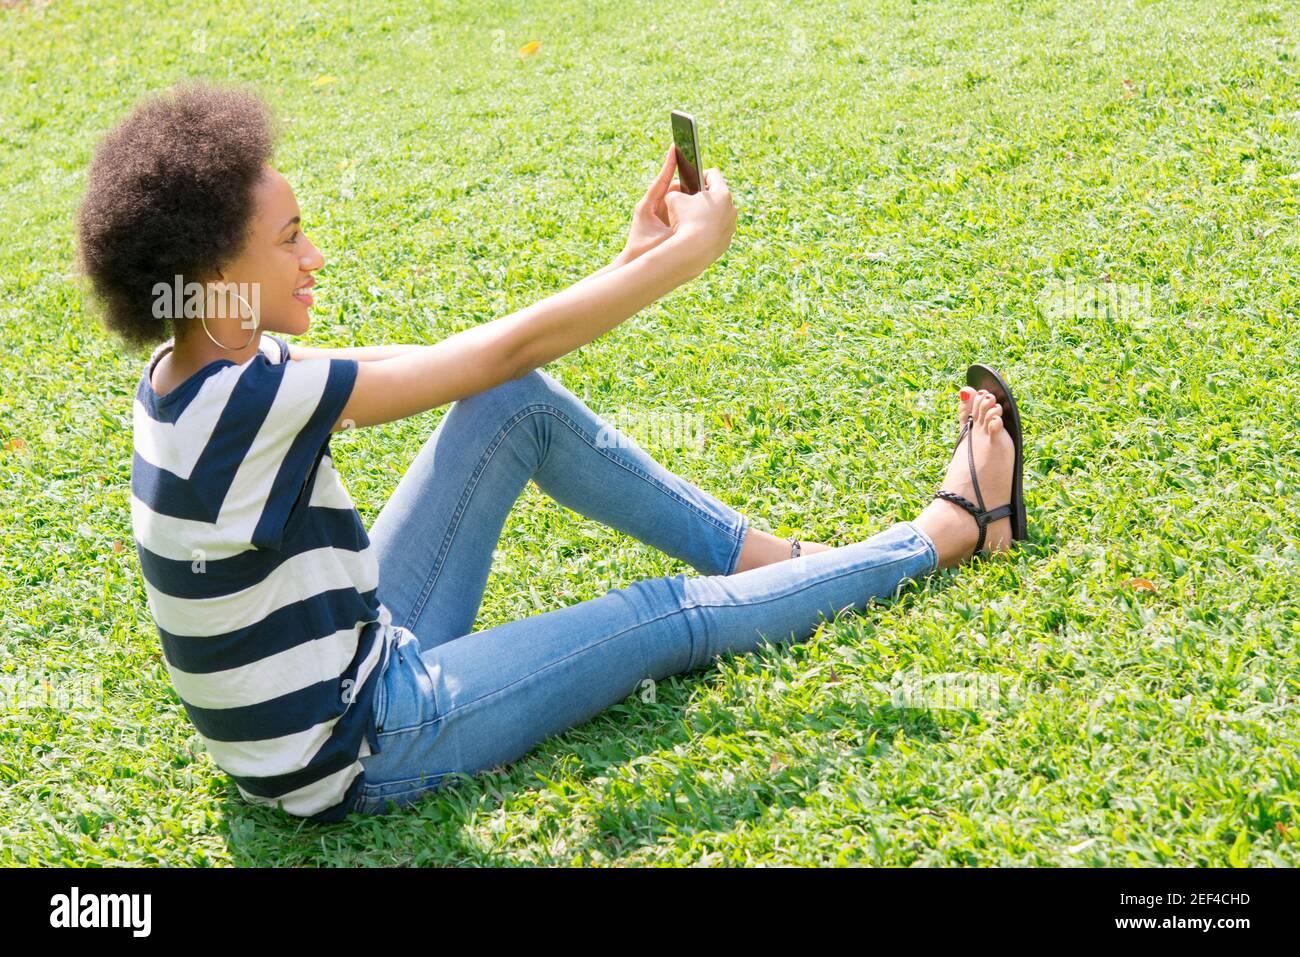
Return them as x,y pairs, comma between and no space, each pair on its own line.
454,700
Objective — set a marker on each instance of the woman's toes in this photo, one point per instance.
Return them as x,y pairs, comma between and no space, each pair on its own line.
990,407
994,422
965,402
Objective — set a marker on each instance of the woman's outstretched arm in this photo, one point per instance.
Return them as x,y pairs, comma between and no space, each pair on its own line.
650,227
476,359
375,353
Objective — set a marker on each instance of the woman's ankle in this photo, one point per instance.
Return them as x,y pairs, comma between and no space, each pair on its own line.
951,530
762,548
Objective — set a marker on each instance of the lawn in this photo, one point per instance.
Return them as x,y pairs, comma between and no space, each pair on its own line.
1099,199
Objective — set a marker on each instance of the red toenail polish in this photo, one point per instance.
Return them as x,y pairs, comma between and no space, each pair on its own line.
965,395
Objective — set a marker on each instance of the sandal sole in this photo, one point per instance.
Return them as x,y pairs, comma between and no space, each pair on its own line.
980,376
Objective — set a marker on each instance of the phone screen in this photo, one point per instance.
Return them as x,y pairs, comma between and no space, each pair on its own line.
688,152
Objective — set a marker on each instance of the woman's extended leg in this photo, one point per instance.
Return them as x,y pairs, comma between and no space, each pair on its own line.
435,536
487,698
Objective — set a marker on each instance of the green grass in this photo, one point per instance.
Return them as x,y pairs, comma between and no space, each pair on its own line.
911,177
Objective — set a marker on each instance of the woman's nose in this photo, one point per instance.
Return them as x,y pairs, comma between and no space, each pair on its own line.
313,260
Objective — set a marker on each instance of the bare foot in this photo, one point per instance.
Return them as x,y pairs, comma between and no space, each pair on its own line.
952,528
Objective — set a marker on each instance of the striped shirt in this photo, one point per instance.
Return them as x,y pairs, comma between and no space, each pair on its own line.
260,575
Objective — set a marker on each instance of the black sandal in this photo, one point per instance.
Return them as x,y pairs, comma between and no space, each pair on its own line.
981,377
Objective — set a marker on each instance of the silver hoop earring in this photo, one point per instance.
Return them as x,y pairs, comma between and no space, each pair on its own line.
203,322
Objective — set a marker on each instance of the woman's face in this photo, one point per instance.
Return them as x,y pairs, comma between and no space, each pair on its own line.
273,272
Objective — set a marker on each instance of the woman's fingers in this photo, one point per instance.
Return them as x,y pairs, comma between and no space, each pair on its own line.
663,185
660,185
654,197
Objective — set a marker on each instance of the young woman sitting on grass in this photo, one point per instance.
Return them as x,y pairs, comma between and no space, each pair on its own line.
332,669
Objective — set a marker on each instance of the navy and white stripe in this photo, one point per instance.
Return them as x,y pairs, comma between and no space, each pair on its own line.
260,575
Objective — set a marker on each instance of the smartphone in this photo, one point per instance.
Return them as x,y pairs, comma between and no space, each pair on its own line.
689,171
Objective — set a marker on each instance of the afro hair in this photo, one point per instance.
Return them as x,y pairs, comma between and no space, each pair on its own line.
170,193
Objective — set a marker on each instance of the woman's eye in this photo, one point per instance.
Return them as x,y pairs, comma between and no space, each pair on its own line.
294,237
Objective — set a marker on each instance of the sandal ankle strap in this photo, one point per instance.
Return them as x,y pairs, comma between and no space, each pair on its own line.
983,517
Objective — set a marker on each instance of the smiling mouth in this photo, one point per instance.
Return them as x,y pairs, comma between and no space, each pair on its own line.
303,293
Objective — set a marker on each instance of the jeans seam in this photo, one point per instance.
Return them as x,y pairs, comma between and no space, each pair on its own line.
929,544
370,787
380,710
573,426
740,531
787,594
414,727
551,664
803,587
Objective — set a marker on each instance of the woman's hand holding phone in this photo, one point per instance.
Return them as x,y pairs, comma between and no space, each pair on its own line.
704,221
